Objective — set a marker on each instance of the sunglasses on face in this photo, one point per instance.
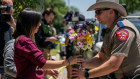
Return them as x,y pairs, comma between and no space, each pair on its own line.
98,12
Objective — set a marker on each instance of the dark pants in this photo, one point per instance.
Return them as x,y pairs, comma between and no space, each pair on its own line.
2,72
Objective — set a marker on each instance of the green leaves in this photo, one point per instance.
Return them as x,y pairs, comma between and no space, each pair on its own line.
59,6
132,5
21,4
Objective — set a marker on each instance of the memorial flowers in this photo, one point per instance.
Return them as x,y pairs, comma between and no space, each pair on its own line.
82,36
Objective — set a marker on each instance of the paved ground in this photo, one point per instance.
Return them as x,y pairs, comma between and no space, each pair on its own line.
63,74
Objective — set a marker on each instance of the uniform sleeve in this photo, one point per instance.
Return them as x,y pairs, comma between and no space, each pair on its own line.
9,64
102,49
121,48
32,53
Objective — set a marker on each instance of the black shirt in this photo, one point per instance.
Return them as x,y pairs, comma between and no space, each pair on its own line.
42,34
5,36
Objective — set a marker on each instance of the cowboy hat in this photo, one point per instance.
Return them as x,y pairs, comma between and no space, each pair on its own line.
114,4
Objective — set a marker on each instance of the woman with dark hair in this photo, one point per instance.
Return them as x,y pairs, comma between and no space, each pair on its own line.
29,60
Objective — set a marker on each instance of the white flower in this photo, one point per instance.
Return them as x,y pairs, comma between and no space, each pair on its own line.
89,46
84,47
76,48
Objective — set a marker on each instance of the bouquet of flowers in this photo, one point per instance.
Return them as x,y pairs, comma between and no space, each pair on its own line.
82,36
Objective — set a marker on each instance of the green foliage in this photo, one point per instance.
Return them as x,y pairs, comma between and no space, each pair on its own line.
60,8
132,5
21,4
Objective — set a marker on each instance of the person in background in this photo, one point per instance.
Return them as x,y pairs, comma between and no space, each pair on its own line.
29,60
9,65
46,34
69,51
6,29
120,53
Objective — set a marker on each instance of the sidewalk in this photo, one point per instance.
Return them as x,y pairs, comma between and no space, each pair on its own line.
63,74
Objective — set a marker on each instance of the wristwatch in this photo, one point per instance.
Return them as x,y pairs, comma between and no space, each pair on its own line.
86,74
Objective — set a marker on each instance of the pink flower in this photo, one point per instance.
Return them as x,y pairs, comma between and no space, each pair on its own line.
83,34
72,30
80,44
72,37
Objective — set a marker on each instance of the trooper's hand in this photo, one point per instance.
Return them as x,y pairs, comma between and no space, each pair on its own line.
84,65
75,60
78,73
52,72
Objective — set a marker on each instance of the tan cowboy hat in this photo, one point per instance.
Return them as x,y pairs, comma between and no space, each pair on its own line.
114,4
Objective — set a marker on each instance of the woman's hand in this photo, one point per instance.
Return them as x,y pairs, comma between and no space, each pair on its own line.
52,72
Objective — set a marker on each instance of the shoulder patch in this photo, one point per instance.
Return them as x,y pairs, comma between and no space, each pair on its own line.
122,35
120,24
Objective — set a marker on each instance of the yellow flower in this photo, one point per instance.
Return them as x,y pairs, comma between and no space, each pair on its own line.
96,32
96,28
89,40
20,6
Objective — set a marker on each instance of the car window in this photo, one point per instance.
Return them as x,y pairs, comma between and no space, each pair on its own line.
136,22
102,27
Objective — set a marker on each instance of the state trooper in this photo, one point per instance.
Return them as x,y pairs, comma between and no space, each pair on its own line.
120,53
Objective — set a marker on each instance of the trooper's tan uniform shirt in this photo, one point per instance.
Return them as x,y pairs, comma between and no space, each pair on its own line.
130,48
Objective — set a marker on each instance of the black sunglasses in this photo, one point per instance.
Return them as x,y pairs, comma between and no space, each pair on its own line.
98,12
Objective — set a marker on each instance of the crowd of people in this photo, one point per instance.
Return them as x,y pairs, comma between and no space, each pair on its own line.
26,45
22,58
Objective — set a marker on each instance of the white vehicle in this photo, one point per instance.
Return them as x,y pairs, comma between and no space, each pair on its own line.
62,47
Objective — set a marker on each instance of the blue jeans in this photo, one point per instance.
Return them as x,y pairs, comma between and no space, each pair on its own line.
2,72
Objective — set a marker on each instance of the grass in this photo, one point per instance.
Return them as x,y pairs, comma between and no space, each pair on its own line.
55,51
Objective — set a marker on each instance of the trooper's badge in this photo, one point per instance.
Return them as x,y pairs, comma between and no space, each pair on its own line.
122,35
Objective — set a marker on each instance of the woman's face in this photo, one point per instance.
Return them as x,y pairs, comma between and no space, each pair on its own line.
36,29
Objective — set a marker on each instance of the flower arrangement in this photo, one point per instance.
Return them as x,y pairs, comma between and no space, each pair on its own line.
82,36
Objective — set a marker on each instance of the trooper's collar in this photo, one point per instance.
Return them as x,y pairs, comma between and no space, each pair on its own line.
114,23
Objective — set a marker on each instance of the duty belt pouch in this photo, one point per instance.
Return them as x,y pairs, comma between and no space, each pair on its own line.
1,69
112,76
119,76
